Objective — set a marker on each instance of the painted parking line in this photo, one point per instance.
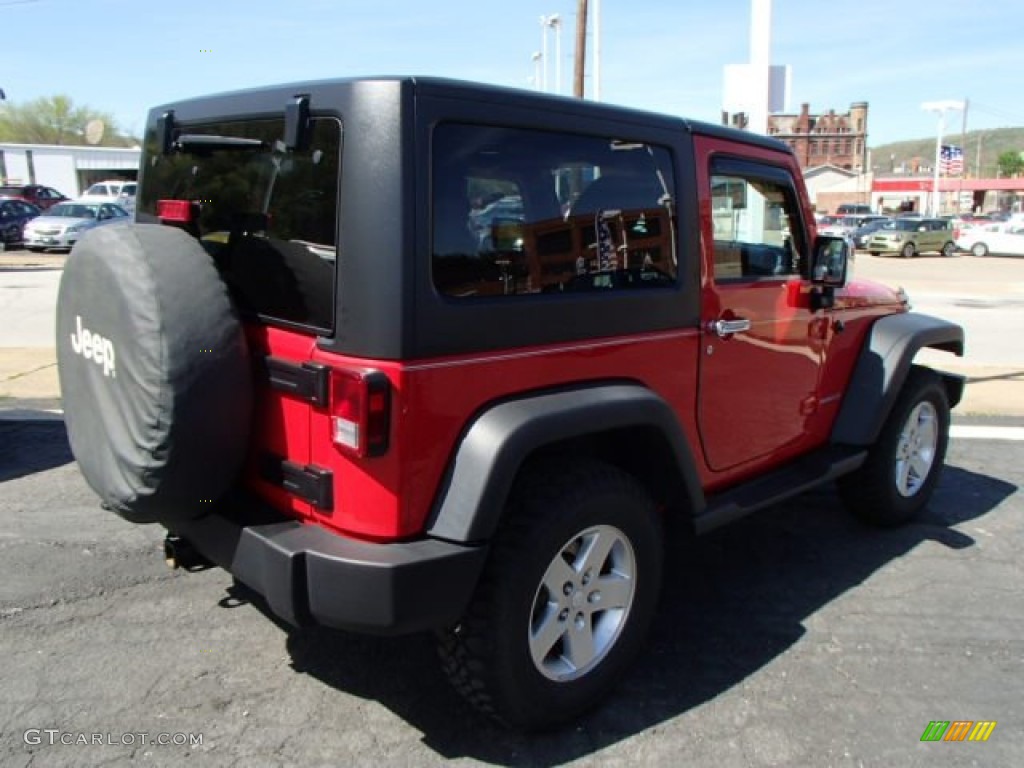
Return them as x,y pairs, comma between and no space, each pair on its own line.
967,432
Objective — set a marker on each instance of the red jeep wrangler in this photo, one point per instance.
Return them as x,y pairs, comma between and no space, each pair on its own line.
409,354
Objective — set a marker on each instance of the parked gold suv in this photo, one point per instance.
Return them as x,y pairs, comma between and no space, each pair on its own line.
909,237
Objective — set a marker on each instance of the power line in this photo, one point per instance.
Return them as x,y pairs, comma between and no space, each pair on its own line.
996,112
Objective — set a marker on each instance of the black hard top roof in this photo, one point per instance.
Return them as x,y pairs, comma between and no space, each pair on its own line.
508,96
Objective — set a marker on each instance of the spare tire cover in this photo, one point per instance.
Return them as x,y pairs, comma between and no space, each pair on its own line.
154,372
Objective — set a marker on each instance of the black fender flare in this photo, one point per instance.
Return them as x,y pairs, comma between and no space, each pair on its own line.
882,369
497,442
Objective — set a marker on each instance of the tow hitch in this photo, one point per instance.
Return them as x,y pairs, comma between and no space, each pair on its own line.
180,553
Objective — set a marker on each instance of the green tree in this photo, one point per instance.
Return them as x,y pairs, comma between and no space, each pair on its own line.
1011,163
56,120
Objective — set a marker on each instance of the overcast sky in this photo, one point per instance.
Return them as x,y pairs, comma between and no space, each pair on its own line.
665,55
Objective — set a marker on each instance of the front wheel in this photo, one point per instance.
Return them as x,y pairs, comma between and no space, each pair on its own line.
979,249
566,598
908,251
898,477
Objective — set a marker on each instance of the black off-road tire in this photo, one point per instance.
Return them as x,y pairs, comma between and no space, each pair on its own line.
873,493
488,657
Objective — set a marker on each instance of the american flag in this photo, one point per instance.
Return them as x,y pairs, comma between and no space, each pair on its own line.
951,160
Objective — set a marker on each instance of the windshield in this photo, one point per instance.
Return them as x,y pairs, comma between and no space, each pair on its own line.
905,225
268,217
74,210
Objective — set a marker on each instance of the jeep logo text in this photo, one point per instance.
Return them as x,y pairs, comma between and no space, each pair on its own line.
93,347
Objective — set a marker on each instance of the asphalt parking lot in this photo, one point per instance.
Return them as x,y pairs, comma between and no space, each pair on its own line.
797,637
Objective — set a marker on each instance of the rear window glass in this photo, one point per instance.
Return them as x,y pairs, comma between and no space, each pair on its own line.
268,216
519,212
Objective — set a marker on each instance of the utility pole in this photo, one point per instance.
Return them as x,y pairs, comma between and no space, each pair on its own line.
581,49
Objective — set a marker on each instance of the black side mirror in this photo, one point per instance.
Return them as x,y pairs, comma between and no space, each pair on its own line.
831,261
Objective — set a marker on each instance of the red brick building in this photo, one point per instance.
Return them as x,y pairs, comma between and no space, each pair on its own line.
825,139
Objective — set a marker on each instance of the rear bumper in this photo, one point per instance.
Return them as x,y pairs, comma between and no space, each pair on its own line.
309,575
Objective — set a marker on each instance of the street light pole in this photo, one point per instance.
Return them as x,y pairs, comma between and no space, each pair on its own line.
554,21
597,50
941,107
544,53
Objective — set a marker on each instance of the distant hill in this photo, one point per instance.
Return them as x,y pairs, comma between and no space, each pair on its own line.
993,143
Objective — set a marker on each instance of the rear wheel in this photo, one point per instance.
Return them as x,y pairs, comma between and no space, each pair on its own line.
566,598
949,250
908,251
873,253
902,468
979,250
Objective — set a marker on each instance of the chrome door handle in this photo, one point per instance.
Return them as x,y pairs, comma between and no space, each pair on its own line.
728,327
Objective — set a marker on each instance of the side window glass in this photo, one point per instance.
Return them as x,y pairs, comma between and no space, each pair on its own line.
756,228
518,212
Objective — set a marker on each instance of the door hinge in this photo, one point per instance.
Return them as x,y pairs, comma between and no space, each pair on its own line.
307,381
309,483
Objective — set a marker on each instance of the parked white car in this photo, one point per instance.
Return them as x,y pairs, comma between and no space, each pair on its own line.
109,191
1003,239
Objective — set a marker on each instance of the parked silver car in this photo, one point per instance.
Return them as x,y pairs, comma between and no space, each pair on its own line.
63,224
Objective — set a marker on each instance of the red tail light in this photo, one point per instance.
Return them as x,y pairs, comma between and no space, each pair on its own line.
176,211
360,411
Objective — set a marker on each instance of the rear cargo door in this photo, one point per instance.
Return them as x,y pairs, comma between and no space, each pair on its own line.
267,214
